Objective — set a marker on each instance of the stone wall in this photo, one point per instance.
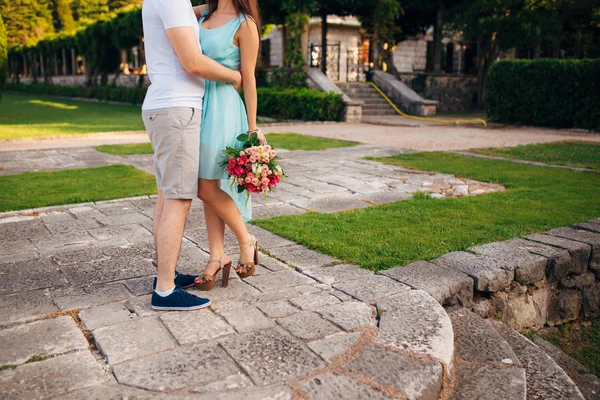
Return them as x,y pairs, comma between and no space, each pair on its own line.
403,96
80,80
541,280
453,92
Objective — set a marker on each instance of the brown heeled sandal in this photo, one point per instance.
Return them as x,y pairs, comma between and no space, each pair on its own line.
250,266
207,282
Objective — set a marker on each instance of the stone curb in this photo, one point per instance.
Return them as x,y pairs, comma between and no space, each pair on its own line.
517,161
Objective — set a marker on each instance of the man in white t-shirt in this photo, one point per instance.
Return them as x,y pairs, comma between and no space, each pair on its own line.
172,114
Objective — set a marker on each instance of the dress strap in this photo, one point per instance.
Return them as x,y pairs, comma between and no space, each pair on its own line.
235,25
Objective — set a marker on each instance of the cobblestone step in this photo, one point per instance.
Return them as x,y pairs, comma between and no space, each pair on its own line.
545,378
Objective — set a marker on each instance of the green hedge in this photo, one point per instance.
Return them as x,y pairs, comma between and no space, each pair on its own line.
105,93
303,104
552,93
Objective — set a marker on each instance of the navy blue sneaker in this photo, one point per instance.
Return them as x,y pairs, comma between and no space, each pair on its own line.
182,280
178,301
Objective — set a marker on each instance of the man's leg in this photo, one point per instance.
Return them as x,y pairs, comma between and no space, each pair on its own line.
156,221
169,237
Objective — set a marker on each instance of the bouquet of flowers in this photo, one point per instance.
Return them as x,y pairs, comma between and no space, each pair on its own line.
254,168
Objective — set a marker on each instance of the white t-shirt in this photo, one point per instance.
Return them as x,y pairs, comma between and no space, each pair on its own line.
171,85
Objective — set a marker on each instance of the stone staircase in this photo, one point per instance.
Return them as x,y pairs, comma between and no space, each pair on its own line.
495,362
374,103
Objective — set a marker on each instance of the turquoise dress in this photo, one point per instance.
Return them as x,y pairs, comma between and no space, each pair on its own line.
224,115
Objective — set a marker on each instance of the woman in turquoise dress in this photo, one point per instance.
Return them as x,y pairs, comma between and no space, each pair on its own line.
229,34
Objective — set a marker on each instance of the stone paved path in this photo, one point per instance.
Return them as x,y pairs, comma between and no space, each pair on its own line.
422,137
75,283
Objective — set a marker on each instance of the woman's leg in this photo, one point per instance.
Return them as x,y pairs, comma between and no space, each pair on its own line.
215,227
209,191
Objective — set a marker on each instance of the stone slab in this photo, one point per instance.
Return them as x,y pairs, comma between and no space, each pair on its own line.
26,306
580,252
448,286
475,341
108,391
247,319
329,386
232,382
591,301
237,289
105,315
488,274
588,384
545,379
279,280
140,286
489,382
23,230
417,378
52,378
133,233
415,321
564,306
334,345
268,240
371,288
272,264
186,366
116,208
307,325
588,226
349,315
338,273
275,210
271,356
89,296
76,225
26,275
591,238
332,204
301,257
559,260
110,270
195,326
269,393
123,219
312,301
124,342
48,337
277,309
529,268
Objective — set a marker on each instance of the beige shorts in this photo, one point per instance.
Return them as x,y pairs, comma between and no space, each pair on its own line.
175,136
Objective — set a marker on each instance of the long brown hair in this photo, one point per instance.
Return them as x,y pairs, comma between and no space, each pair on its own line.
246,7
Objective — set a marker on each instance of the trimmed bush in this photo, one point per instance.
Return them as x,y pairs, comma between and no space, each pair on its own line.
552,93
303,104
3,55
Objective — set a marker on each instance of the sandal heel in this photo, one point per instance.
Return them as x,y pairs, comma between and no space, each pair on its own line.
225,278
256,262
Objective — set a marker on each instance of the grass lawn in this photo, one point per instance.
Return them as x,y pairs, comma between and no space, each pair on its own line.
40,189
126,149
380,237
32,116
296,141
289,141
580,340
573,154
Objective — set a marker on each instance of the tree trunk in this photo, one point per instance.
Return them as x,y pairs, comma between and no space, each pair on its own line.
64,62
437,38
323,39
73,62
480,71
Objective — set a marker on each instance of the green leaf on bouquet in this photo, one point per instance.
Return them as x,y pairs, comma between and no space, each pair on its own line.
243,137
241,188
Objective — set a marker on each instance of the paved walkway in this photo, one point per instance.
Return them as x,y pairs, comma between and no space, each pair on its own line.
75,284
420,137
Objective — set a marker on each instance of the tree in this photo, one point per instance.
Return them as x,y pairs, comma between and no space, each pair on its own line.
114,5
3,55
26,21
87,11
63,16
323,9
